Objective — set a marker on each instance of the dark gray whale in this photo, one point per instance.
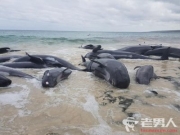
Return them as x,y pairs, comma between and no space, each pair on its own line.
6,49
52,77
140,49
144,74
111,70
12,72
7,58
24,65
48,60
90,46
173,52
125,55
4,82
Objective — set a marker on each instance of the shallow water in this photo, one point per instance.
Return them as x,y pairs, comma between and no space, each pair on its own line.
83,104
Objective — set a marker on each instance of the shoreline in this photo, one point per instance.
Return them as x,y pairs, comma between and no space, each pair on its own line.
84,104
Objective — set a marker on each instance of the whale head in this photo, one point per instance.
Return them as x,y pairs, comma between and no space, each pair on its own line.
54,76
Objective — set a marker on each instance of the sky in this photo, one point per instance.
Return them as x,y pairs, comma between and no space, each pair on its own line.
90,15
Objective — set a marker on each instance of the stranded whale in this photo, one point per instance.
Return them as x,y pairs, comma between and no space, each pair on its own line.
140,49
52,77
124,54
111,70
144,74
6,49
12,72
48,60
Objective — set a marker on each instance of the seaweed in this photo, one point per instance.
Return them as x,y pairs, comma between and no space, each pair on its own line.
126,102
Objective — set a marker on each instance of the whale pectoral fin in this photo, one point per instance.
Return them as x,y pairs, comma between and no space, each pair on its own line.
34,59
137,67
28,54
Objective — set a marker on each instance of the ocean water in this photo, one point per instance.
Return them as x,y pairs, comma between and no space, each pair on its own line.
81,38
80,105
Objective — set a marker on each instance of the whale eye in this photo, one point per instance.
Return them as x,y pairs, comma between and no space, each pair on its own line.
47,83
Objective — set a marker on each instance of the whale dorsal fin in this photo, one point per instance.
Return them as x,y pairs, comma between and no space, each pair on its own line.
83,58
35,59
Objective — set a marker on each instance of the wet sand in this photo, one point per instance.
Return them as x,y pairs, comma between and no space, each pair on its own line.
85,104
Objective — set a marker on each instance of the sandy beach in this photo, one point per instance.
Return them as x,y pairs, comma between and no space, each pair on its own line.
84,104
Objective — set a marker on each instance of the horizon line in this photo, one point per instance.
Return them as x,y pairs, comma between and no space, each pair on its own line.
90,31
